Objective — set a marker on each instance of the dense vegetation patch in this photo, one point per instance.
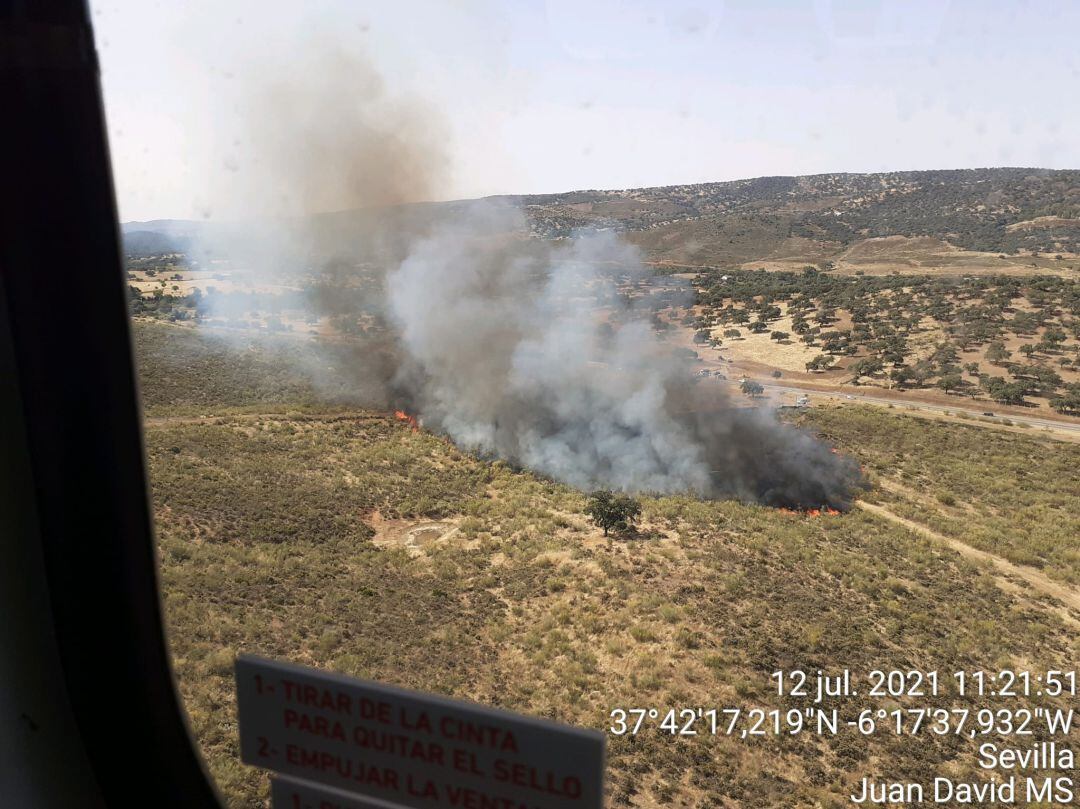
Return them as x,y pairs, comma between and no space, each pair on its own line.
884,324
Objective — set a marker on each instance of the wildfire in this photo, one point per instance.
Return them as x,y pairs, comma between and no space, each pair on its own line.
401,415
813,512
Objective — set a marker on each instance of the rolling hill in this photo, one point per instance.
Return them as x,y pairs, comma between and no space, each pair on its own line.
948,218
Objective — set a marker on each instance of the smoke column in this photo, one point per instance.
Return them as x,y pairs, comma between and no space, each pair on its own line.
508,353
516,348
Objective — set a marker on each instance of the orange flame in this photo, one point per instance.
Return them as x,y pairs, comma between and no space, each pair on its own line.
812,512
401,415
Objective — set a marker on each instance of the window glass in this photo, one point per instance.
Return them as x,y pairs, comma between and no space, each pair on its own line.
705,374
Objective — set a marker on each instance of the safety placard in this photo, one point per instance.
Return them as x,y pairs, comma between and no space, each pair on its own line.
408,747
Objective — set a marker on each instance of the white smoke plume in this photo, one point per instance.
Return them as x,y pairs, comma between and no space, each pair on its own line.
510,360
516,348
510,351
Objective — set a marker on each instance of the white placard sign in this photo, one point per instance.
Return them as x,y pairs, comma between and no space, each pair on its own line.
411,748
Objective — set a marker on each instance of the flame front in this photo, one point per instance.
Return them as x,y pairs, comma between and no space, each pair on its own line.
401,415
812,512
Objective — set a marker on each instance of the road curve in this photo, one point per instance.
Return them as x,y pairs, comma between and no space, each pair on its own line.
1032,421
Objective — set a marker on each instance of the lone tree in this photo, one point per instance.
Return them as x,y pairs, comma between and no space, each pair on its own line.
612,511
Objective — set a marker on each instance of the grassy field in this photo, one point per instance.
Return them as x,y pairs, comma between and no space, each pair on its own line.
1012,495
283,528
183,372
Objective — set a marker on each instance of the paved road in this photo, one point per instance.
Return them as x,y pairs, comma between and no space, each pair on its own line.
937,408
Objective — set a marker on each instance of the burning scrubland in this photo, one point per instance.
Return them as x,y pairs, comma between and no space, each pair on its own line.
502,349
528,354
517,348
269,537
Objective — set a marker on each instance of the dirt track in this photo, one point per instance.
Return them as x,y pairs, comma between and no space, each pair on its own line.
1065,428
1036,579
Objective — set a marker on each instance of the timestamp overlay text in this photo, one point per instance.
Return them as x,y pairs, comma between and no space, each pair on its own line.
1004,737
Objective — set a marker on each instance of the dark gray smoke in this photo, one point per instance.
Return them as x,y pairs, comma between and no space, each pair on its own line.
511,351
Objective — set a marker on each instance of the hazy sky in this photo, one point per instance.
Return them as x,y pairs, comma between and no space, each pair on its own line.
553,95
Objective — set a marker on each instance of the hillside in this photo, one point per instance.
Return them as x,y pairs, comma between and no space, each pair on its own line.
140,243
338,537
957,213
1004,210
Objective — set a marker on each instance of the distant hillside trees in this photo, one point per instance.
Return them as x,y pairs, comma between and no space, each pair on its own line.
950,382
1069,402
868,366
1003,392
996,353
893,317
822,362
